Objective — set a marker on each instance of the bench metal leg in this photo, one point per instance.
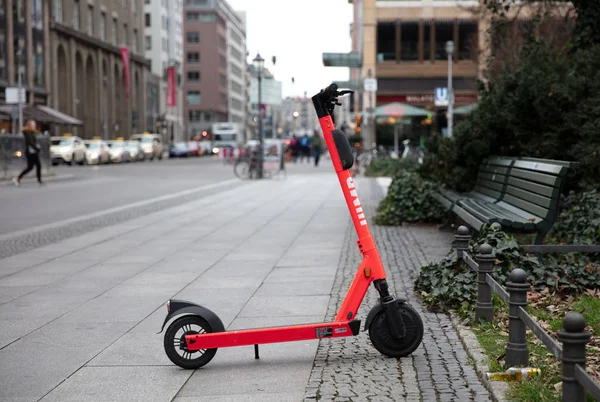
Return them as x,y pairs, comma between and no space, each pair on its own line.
539,240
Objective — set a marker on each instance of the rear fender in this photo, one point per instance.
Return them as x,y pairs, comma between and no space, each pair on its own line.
179,308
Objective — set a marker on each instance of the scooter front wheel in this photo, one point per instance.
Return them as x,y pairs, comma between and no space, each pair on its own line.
389,345
176,346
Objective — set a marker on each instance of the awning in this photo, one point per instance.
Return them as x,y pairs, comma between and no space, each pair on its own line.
39,113
468,109
400,110
60,116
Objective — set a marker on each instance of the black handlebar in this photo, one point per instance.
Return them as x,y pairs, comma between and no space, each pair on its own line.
326,100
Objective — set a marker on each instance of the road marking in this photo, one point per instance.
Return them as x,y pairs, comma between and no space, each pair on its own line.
116,209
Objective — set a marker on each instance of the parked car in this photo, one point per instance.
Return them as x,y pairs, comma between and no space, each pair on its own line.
178,150
135,150
119,152
67,149
206,147
97,152
152,145
193,148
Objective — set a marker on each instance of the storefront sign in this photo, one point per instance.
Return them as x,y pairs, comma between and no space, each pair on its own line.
424,99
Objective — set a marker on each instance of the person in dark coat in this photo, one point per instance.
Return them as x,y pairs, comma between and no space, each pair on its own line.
32,153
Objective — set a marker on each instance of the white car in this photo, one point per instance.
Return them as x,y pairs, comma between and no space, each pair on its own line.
67,149
151,144
97,152
119,151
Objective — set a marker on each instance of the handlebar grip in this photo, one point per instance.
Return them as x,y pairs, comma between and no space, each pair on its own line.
331,89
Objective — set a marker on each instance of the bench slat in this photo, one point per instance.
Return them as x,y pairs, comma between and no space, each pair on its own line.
540,189
446,203
491,185
526,206
494,169
489,192
549,180
536,199
467,217
540,167
494,213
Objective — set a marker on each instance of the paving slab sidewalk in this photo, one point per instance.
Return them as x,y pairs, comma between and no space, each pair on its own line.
78,318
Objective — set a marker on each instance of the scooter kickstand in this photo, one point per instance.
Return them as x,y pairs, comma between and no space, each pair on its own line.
256,352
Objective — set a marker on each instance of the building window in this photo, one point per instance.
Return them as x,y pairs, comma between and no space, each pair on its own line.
90,29
193,76
193,16
165,44
37,15
236,71
386,41
207,18
3,57
135,41
38,77
409,33
148,19
235,53
194,115
58,10
21,59
148,40
113,35
196,2
426,41
223,61
193,37
468,43
103,26
193,57
223,80
125,35
193,97
20,11
443,33
76,16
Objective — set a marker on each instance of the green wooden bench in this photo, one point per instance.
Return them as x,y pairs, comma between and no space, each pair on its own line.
521,194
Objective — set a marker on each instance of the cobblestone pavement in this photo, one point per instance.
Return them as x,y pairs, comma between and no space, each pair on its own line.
350,369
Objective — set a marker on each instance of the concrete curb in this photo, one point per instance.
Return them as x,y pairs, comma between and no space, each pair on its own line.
497,389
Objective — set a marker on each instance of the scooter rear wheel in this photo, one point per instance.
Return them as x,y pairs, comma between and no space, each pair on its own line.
176,346
386,343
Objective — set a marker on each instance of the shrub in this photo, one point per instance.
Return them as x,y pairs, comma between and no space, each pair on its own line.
409,199
387,166
449,285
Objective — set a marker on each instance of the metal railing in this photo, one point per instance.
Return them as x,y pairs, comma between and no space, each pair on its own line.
12,155
572,354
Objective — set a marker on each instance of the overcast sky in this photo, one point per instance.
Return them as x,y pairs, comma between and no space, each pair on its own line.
298,33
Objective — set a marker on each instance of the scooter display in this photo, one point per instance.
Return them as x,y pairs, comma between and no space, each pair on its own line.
395,328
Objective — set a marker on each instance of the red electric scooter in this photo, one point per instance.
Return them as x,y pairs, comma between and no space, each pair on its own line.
395,328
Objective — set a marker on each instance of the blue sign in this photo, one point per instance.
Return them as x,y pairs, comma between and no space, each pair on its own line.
441,97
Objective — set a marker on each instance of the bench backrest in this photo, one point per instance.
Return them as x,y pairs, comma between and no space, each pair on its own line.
493,176
535,185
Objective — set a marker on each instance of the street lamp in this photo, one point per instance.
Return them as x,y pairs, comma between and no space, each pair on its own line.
259,63
450,52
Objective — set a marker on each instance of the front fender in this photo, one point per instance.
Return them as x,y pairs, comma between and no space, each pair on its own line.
371,316
182,307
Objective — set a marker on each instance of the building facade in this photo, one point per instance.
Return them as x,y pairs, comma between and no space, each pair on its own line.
89,77
24,48
163,46
402,45
214,65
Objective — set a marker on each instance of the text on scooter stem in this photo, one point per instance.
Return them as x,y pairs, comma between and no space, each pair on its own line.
356,202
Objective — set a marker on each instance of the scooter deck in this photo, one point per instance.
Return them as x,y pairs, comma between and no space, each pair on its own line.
259,336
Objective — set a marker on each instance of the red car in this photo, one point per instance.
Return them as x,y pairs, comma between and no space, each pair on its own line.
193,148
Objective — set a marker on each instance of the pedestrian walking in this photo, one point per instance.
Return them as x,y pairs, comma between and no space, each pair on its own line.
305,148
295,146
316,143
32,153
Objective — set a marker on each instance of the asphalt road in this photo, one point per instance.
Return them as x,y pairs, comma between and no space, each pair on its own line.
97,188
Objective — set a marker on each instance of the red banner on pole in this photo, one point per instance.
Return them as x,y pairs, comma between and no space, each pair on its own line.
171,98
125,58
